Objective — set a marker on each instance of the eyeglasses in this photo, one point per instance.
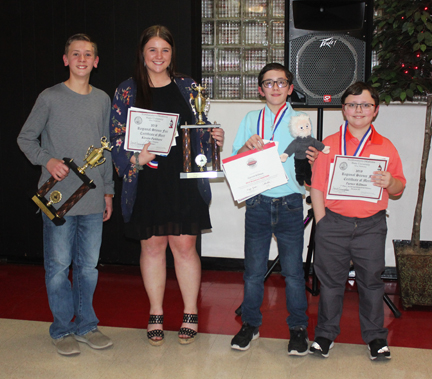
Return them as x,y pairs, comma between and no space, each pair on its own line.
269,83
364,106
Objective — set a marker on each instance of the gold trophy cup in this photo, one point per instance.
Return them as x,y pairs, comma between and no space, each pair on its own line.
199,104
94,157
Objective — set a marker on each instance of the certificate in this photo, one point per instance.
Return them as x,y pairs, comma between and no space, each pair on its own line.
350,178
158,128
254,171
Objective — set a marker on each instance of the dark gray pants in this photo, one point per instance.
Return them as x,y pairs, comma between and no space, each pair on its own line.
338,240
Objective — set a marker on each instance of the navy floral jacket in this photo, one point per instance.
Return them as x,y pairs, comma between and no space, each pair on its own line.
124,98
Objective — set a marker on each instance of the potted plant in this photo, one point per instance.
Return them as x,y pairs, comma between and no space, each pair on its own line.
403,44
414,257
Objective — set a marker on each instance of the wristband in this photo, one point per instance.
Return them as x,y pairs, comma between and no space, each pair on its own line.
137,165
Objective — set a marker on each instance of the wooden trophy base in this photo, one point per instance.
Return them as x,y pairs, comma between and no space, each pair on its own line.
56,216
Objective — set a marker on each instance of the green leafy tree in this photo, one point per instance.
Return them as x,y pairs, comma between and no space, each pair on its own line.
403,42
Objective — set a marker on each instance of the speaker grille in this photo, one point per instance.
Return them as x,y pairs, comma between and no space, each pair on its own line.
326,64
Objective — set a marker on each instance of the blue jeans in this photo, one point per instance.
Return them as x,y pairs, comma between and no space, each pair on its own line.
282,217
77,241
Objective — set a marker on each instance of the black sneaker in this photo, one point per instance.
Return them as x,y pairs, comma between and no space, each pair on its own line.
378,349
321,346
298,344
243,338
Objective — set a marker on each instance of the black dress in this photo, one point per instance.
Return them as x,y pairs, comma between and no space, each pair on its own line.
166,204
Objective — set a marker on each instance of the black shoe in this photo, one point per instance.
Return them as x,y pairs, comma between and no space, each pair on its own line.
378,349
298,344
321,346
243,338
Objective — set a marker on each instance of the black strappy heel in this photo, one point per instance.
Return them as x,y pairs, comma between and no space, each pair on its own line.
190,333
156,319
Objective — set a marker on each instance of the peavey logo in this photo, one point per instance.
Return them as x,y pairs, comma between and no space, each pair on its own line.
329,42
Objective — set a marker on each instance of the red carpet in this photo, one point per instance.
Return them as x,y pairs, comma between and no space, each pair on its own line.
120,300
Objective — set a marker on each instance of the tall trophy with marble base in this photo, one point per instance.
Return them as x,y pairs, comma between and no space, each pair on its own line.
94,157
200,105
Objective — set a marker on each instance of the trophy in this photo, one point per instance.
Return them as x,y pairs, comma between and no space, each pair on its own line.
94,157
199,105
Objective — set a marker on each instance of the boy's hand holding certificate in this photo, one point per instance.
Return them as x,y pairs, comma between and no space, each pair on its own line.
350,178
254,171
158,128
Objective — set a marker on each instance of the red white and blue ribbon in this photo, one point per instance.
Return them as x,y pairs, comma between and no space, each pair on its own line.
153,164
261,118
360,147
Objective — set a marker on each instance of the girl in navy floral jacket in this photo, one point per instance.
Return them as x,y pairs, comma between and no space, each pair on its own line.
158,207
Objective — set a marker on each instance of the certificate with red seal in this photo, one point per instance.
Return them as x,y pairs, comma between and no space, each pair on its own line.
254,171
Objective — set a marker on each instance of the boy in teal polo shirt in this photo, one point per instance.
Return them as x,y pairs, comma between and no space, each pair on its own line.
277,211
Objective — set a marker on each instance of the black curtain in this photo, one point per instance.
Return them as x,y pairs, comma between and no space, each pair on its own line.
34,34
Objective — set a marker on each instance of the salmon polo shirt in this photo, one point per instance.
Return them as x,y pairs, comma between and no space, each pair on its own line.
376,145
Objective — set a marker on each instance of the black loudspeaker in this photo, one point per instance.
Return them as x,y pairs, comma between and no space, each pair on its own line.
329,47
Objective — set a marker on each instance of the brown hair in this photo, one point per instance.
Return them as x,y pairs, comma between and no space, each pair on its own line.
141,76
80,37
277,67
357,89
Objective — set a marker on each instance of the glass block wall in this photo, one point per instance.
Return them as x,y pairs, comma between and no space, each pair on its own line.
238,38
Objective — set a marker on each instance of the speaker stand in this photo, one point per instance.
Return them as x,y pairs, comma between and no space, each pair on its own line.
320,117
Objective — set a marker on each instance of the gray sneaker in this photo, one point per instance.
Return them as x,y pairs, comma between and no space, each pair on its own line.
66,345
95,339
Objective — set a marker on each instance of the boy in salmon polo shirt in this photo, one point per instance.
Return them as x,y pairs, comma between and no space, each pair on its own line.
353,230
